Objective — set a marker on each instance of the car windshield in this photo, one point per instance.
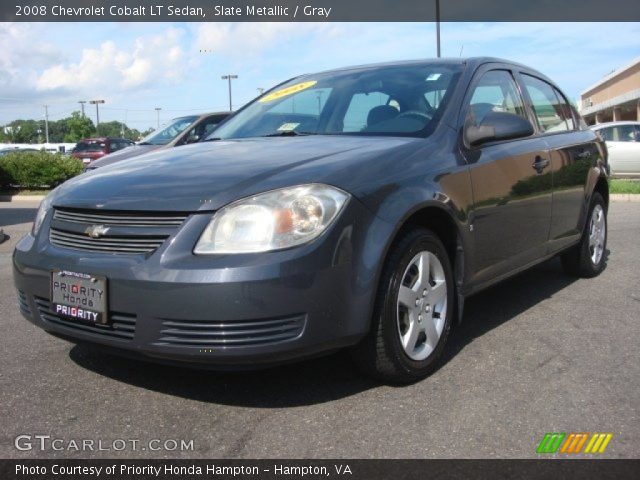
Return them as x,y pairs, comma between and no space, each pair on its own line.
400,100
168,133
95,146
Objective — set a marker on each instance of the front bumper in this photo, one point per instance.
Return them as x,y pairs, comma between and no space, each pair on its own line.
227,310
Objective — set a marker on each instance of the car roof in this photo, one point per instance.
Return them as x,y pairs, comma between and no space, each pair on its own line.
473,62
613,124
202,115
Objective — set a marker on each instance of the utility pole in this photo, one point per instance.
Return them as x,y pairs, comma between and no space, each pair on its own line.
46,123
229,78
96,103
438,27
82,102
122,126
158,116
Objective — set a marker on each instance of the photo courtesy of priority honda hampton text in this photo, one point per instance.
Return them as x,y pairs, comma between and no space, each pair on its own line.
356,208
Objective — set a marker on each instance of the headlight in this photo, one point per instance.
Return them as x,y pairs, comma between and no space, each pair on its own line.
273,220
44,208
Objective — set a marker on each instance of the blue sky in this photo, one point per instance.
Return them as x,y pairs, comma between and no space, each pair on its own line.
136,67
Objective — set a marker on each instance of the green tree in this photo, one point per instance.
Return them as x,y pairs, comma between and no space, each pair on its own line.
22,131
79,127
58,130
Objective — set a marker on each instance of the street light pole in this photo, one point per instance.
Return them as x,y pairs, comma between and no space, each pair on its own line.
46,123
158,116
229,78
82,102
96,103
438,27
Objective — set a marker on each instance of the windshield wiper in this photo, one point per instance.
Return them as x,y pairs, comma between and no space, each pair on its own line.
288,133
145,143
214,139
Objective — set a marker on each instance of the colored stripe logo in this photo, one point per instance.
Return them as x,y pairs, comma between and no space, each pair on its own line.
574,443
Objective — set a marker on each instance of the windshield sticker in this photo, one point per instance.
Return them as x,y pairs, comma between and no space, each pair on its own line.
433,77
287,127
298,87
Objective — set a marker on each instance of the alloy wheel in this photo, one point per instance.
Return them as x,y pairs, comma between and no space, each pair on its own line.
422,305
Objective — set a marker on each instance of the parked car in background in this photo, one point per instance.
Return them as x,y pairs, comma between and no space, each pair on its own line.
180,131
5,151
623,143
91,149
357,208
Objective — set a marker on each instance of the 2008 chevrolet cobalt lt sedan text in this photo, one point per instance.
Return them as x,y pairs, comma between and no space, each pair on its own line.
352,208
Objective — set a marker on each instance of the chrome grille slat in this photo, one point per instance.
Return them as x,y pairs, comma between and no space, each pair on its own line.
121,326
131,220
84,242
230,334
228,342
224,325
125,232
114,239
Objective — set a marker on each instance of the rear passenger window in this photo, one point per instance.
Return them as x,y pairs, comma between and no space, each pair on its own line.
606,134
626,133
495,92
552,112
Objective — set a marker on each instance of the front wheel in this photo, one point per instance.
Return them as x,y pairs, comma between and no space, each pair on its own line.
588,258
413,311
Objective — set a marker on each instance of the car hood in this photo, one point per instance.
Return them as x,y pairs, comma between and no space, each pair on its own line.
123,154
206,176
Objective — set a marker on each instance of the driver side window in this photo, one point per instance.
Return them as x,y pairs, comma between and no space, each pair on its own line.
495,92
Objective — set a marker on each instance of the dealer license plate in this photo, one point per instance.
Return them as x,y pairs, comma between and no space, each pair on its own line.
79,296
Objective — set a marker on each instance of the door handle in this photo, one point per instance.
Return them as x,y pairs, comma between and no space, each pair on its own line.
540,164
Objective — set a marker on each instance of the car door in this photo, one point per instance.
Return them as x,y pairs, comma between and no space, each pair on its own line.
572,151
511,183
624,149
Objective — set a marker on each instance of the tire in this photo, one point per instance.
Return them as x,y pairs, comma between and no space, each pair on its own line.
588,258
406,341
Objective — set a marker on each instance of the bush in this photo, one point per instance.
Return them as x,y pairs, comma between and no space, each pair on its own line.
37,169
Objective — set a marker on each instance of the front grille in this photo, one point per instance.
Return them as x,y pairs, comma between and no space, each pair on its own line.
124,232
81,241
121,325
23,303
124,219
230,334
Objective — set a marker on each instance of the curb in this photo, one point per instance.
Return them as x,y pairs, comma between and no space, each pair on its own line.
624,197
21,198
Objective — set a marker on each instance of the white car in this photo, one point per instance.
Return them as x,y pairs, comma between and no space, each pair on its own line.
623,143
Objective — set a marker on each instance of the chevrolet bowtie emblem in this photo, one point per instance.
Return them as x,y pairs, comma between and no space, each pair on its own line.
96,231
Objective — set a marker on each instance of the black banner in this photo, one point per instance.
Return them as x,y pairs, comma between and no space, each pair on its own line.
319,10
319,469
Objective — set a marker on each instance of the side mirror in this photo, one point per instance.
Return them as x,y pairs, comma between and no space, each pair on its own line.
193,139
497,126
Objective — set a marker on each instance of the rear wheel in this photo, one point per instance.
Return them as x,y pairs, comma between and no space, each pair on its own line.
588,258
413,311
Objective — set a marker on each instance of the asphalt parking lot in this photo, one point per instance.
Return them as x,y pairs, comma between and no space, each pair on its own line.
540,353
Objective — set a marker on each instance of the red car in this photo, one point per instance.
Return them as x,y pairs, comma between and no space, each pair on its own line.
91,149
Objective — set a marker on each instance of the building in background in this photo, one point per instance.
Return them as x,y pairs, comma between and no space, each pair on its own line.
616,97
